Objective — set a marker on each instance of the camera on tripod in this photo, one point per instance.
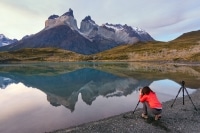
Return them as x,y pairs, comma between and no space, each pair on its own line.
183,89
183,83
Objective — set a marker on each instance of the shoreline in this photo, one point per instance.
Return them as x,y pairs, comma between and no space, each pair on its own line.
178,63
179,118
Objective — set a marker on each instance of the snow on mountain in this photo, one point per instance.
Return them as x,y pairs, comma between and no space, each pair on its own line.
6,41
121,35
63,32
91,31
116,32
116,27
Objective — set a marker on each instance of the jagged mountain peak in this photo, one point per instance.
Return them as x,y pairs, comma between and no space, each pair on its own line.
69,13
88,19
123,27
6,41
2,36
129,28
53,16
66,19
63,32
88,25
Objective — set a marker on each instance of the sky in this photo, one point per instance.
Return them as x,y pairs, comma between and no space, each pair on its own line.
164,20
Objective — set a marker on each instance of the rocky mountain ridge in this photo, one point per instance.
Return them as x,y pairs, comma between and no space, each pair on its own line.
62,32
89,29
6,41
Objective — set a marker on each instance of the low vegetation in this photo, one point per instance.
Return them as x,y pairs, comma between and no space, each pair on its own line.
184,48
152,51
39,54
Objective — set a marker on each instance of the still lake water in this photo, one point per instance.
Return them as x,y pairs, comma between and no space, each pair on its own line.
42,97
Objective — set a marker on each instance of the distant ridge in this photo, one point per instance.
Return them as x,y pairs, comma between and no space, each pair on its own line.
6,41
183,49
62,32
189,36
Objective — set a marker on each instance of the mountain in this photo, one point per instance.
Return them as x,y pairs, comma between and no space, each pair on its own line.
119,33
62,32
63,88
6,41
193,36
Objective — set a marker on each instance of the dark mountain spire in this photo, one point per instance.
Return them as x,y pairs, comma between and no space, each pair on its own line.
69,13
53,16
88,18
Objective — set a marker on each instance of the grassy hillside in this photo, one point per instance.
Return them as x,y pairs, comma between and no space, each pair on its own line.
39,54
153,52
193,36
184,48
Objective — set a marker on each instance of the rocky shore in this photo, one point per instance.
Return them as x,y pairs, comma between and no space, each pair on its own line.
177,119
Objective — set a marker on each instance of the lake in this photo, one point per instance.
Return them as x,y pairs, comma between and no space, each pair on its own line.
42,97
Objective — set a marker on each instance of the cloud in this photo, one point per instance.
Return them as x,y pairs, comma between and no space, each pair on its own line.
16,21
167,21
158,17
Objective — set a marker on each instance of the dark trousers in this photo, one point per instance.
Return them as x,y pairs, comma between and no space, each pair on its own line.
153,110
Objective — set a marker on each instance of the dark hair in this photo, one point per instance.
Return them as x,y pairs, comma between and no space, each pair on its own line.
146,90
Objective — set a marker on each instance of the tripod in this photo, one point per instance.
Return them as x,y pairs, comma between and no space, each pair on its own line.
136,107
125,116
183,88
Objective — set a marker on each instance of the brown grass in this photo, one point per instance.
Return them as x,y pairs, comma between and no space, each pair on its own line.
184,48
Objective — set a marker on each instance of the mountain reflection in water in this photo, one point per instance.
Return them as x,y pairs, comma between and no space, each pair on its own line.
63,89
79,93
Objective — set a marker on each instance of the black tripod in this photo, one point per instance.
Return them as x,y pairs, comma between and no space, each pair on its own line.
125,116
183,88
136,107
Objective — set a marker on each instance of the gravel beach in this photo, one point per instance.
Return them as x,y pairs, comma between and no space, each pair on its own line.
178,119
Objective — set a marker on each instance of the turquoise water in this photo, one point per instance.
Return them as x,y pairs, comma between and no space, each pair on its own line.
43,97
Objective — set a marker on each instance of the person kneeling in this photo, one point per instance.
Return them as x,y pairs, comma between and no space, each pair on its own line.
150,100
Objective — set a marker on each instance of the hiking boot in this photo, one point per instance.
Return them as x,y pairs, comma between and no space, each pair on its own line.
144,116
157,117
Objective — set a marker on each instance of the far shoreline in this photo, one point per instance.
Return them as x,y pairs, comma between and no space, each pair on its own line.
182,63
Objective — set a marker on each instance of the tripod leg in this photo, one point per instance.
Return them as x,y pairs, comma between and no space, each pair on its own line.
136,107
183,95
176,97
125,116
190,99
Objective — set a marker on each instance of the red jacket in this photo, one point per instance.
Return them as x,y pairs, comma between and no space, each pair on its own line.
152,99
